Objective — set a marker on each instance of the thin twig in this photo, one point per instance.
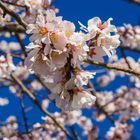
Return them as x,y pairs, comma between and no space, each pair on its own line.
17,56
24,117
124,56
21,44
74,133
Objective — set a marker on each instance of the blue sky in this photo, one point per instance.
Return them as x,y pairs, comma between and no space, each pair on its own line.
120,10
80,10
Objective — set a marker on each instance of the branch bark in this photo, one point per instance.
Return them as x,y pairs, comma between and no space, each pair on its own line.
111,67
13,14
12,28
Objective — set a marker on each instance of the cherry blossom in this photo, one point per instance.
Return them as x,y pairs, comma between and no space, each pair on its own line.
67,74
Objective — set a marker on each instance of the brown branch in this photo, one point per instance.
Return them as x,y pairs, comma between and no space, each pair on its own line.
16,56
21,44
111,67
17,5
41,82
13,14
74,133
33,98
130,49
13,27
124,56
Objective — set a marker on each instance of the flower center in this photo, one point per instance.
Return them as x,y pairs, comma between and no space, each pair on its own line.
32,3
100,26
53,37
68,33
42,30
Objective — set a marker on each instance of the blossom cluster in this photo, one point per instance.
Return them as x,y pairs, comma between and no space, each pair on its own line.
134,64
130,36
58,53
58,61
125,102
48,130
120,131
7,67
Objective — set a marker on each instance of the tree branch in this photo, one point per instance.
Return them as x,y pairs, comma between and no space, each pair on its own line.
33,98
74,133
21,44
13,14
15,4
13,27
111,67
24,117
